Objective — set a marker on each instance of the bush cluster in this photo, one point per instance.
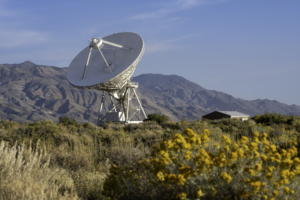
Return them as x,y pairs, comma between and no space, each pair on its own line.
157,118
184,168
74,160
275,118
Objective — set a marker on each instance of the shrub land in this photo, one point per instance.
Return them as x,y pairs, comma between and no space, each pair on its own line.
219,159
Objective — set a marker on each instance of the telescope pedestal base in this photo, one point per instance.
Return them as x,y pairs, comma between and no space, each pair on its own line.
129,122
124,109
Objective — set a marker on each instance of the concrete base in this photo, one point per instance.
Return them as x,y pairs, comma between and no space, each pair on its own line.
115,117
121,122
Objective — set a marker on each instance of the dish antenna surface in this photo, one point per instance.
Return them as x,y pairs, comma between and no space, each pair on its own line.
107,64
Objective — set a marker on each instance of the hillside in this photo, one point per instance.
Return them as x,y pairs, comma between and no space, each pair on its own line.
180,93
30,92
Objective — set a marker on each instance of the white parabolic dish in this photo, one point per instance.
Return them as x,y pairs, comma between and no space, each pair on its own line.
123,61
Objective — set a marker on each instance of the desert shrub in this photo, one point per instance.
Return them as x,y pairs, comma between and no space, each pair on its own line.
127,155
87,150
43,129
69,141
157,118
261,129
183,168
47,132
86,125
275,118
66,122
70,160
284,139
133,127
171,125
8,125
196,125
146,137
151,125
234,127
113,126
228,122
89,184
31,178
184,124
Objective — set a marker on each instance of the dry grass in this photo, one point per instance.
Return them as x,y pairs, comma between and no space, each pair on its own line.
89,184
31,179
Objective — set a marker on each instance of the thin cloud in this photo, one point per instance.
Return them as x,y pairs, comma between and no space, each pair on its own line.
184,4
170,8
165,46
7,13
4,13
17,38
158,47
181,38
46,55
11,36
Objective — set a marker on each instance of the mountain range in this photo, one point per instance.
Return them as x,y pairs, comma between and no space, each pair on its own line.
30,92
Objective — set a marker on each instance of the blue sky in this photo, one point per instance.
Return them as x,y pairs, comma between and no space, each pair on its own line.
246,48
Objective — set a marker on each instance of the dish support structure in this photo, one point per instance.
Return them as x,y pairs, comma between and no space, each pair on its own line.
124,107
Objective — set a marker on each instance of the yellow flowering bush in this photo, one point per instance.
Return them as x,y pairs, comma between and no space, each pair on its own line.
285,140
185,167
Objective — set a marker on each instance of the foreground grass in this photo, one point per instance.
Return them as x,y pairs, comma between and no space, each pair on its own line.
45,160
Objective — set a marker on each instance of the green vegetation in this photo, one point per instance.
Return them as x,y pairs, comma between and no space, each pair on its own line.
286,121
157,118
158,159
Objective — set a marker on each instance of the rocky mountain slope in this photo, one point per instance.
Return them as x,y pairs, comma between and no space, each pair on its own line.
30,92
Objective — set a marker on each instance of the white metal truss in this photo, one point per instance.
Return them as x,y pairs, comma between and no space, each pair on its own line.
124,103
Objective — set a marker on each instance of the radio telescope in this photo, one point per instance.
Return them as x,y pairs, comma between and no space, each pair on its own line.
107,64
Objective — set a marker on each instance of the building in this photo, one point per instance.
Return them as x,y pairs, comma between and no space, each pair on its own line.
226,114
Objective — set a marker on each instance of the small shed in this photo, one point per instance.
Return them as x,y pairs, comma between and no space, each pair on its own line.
226,114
